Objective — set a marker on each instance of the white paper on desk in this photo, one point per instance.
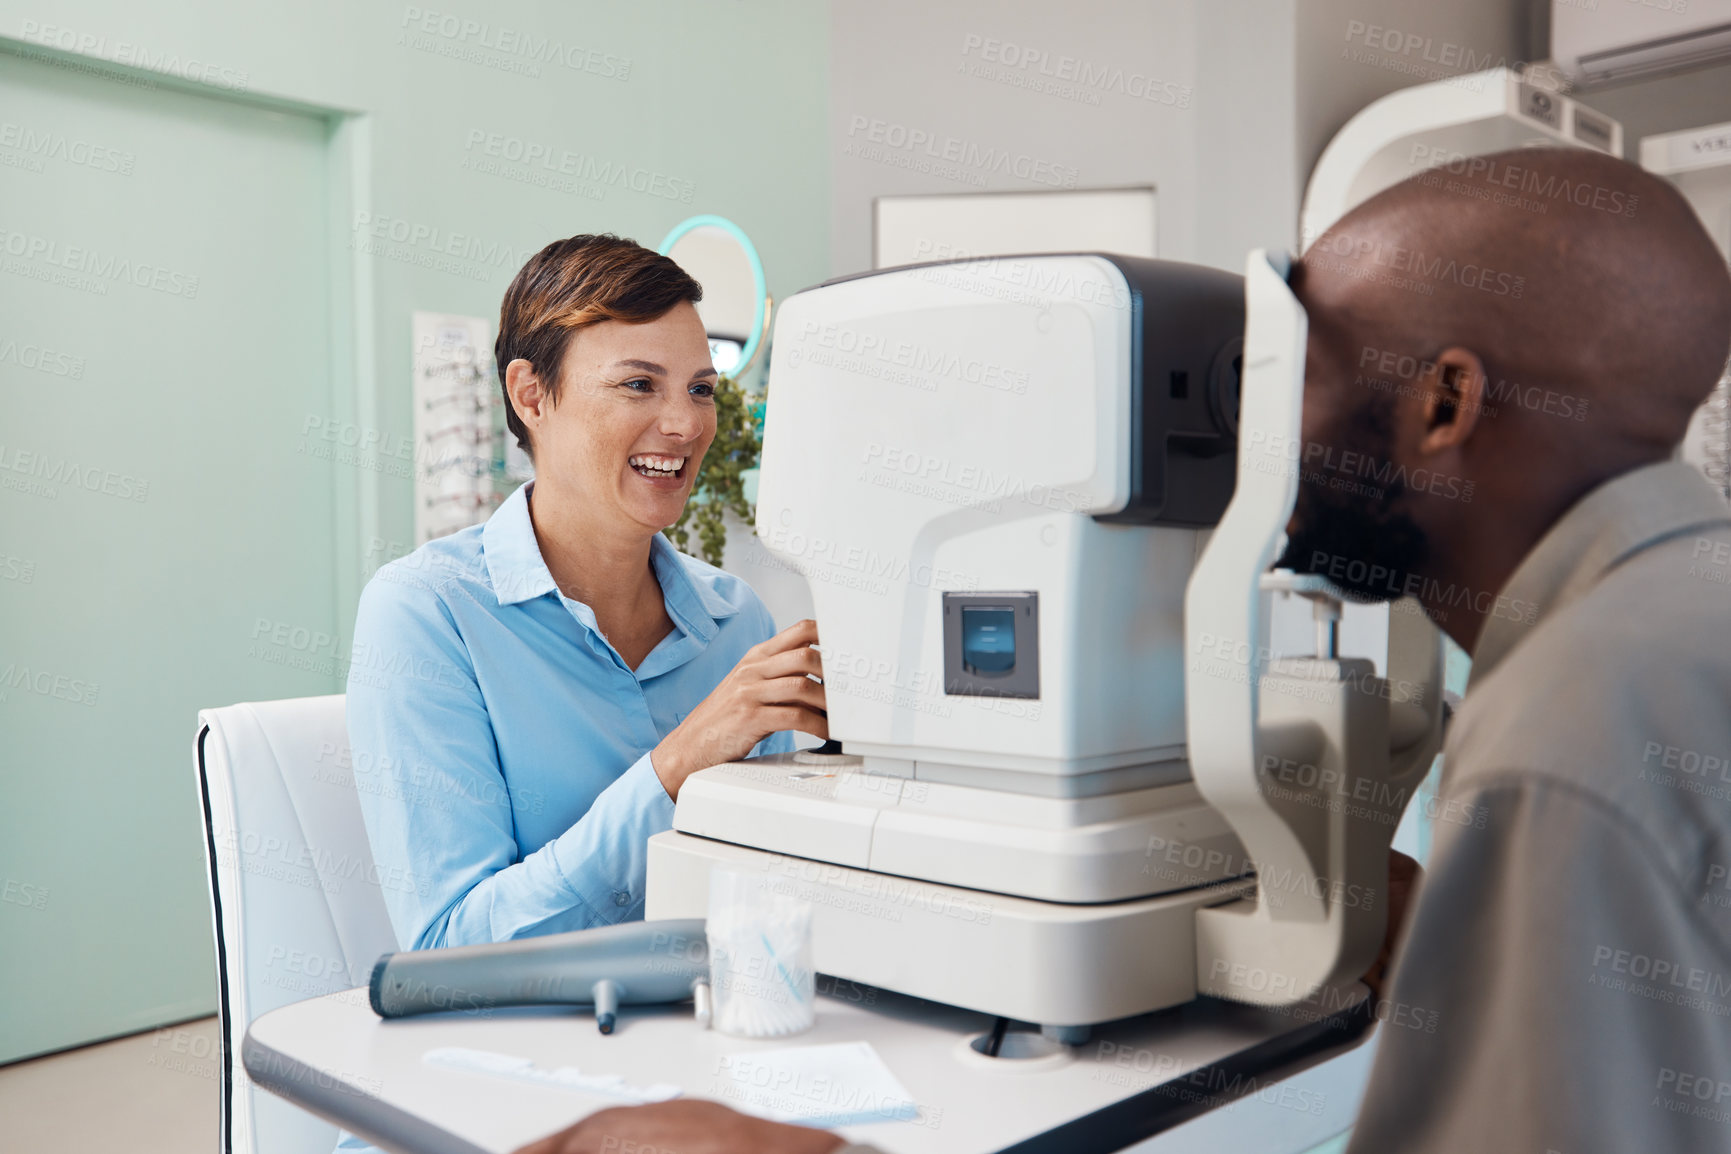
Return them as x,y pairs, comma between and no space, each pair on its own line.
562,1077
843,1084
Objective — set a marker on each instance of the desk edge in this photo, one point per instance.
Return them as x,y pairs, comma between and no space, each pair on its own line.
344,1104
1158,1109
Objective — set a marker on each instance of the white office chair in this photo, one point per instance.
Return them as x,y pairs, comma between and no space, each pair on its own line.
294,896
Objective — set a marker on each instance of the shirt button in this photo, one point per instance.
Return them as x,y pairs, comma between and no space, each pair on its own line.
621,898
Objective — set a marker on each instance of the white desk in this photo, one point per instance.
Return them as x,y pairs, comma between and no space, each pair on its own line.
1143,1076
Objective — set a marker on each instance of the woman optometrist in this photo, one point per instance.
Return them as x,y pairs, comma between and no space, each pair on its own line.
526,696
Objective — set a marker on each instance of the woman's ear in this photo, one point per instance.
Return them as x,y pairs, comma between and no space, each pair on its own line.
527,395
1453,387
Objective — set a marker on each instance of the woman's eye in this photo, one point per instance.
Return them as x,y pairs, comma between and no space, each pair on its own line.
703,389
639,384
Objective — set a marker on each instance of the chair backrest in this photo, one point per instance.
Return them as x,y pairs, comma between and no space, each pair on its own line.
295,897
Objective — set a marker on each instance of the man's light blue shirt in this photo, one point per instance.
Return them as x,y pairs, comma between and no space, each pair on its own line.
501,745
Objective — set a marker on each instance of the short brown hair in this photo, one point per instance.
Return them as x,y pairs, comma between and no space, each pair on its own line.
574,283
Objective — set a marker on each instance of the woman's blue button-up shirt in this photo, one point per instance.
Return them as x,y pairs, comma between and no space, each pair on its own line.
501,747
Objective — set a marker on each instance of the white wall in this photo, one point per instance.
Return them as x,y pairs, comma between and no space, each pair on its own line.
1260,87
1344,60
1246,163
902,66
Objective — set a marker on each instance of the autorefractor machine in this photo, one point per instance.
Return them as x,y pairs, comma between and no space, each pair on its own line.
1037,500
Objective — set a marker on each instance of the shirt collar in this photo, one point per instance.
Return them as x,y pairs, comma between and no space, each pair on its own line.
692,601
518,573
1620,518
514,564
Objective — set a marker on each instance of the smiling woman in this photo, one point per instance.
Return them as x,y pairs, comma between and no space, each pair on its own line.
527,696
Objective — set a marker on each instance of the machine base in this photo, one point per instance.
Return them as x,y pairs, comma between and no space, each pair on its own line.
1054,964
1070,850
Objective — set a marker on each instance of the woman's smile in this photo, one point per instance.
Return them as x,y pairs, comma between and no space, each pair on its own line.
666,470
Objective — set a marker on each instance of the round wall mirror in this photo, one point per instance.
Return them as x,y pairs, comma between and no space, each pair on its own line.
735,305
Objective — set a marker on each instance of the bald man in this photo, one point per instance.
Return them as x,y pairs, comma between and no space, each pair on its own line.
1524,343
1502,361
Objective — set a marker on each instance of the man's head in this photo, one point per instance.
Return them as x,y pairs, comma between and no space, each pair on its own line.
1486,346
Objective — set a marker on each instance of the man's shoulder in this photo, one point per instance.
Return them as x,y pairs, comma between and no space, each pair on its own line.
1649,633
1620,693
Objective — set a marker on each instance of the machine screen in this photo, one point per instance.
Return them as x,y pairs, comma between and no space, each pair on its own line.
988,640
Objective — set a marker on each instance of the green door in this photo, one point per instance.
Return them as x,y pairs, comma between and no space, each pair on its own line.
166,542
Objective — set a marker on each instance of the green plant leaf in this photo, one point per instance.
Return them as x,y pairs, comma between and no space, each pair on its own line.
721,481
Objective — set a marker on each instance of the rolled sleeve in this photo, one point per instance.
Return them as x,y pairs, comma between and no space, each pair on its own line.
604,858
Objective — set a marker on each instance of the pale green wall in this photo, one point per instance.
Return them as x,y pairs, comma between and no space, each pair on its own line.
725,98
728,98
138,565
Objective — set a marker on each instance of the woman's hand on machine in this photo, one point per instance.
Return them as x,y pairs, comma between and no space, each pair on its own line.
777,685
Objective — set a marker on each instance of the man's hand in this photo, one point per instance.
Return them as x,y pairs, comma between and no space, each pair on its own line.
683,1126
1403,876
768,691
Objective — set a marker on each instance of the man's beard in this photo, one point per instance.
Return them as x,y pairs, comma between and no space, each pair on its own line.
1369,547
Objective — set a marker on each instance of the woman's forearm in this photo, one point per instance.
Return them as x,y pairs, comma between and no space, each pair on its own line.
590,875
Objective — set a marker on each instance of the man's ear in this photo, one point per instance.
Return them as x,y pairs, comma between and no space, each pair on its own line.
1453,387
527,395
